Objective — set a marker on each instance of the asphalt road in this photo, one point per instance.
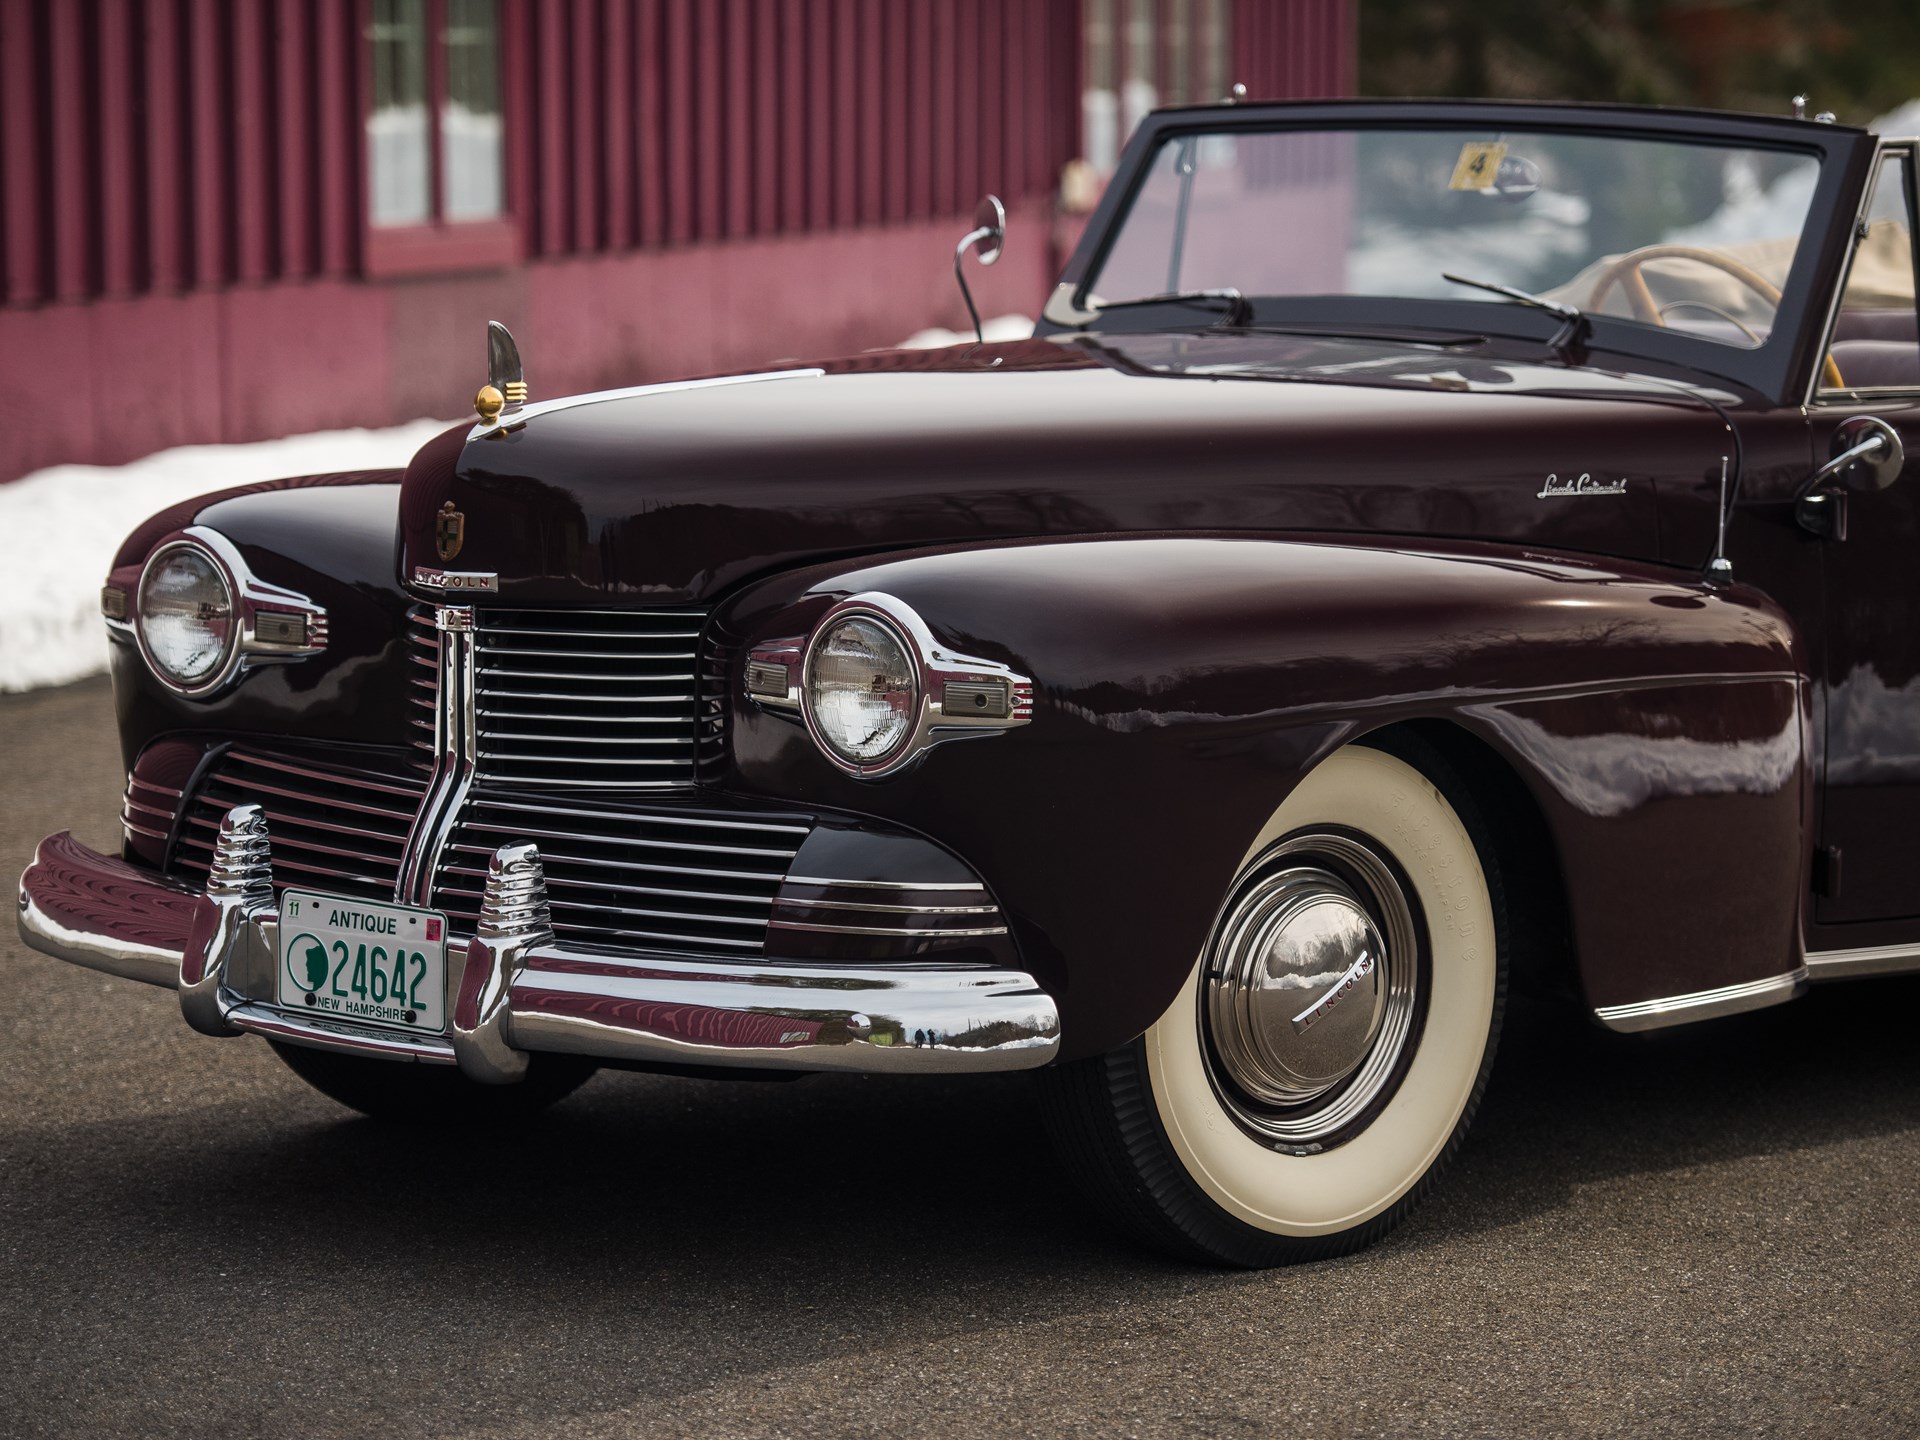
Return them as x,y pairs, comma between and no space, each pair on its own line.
1710,1232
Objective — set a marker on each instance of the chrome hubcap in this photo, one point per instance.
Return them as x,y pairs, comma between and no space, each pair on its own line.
1312,984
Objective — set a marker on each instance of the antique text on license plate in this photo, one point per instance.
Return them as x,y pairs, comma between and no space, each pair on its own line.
364,961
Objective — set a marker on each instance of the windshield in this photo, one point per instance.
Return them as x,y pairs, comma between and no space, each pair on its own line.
1694,238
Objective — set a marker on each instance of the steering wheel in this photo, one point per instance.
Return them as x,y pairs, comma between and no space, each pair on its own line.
1626,273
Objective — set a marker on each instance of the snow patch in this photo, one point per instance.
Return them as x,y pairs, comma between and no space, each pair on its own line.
995,331
60,527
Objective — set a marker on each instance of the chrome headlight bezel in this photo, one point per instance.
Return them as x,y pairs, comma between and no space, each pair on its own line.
896,754
222,669
956,696
267,624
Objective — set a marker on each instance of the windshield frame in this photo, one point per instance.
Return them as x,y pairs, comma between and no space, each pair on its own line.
1778,369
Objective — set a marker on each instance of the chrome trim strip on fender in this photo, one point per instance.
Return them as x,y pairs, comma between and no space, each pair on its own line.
1703,1004
866,907
929,933
888,884
1825,965
508,425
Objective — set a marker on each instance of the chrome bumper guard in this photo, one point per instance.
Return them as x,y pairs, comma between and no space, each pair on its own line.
516,989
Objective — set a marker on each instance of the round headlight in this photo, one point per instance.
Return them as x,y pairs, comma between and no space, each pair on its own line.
863,690
186,616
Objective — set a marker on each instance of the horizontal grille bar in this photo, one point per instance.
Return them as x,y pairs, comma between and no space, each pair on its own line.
335,824
585,700
670,876
496,628
548,651
598,697
675,845
516,716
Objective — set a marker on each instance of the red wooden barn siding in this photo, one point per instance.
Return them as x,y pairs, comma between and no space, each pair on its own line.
173,145
760,117
695,184
1294,49
161,146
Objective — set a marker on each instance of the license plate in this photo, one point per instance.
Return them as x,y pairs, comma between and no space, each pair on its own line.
364,961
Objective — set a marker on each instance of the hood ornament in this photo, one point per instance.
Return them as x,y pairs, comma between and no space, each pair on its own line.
506,389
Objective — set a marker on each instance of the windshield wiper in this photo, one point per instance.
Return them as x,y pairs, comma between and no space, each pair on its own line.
1569,342
1239,310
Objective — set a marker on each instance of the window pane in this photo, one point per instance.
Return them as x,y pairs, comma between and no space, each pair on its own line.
397,129
1875,340
1693,238
470,126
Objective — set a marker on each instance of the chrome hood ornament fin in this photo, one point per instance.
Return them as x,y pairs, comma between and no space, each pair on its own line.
505,392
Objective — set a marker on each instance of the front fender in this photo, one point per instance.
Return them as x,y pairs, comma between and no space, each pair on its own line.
1184,685
332,538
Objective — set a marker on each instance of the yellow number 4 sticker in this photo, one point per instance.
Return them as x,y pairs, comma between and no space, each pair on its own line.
1479,162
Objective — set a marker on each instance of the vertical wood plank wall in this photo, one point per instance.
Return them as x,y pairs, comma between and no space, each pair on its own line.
693,185
162,146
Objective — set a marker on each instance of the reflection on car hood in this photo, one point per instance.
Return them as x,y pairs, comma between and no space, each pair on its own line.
679,494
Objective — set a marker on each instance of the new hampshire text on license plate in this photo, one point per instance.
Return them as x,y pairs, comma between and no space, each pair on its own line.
362,960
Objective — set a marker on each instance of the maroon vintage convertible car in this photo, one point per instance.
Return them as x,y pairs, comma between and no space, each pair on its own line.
1425,547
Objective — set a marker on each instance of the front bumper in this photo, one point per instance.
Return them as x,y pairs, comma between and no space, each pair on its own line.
515,990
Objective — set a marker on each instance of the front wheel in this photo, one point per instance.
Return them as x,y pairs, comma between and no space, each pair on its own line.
1328,1049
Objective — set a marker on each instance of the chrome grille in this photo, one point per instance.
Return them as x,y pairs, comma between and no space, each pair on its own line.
148,809
334,826
670,877
423,681
586,699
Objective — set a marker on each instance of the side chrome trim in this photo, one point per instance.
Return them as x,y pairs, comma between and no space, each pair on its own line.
1703,1004
888,884
869,907
517,420
1824,965
942,933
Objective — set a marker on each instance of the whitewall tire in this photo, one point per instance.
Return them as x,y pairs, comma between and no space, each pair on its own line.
1329,1046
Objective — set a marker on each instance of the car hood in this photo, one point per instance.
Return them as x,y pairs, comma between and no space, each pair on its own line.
677,493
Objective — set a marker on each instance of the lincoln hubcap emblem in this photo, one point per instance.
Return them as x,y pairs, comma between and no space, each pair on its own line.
449,531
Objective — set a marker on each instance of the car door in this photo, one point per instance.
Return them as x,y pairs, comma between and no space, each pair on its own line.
1870,815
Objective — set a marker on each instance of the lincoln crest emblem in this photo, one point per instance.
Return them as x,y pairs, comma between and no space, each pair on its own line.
449,531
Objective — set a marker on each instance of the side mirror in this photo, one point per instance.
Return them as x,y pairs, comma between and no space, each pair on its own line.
1867,455
988,236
